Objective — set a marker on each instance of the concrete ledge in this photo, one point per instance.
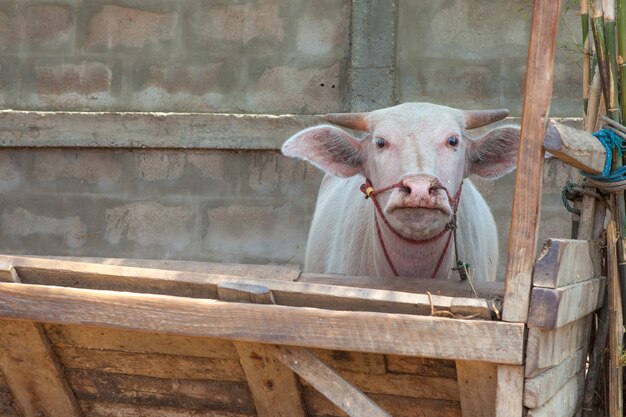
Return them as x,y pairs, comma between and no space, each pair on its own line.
19,129
149,130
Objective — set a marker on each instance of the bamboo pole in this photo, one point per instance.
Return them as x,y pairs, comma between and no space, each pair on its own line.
595,93
584,21
597,28
616,332
613,109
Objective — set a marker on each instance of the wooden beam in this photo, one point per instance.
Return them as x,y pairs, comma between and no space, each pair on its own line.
477,388
510,391
548,348
538,390
528,178
31,367
552,308
274,387
565,402
564,261
202,285
395,334
324,379
575,147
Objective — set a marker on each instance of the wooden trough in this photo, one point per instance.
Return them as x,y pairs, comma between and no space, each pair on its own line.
114,337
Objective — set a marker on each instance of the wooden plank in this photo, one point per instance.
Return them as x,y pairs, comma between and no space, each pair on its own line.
450,288
228,396
330,384
470,308
544,386
477,388
363,362
278,272
548,348
274,387
615,376
139,342
39,387
110,409
587,217
510,391
201,285
565,402
563,262
553,308
575,147
396,334
397,406
404,385
151,364
421,366
528,177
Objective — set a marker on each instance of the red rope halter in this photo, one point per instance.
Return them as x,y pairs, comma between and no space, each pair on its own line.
369,191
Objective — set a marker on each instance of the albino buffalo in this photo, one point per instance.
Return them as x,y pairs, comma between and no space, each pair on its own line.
413,163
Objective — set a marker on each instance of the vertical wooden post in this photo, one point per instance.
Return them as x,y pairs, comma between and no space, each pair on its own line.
527,197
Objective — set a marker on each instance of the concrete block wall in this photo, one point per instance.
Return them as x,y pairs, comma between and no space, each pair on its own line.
207,182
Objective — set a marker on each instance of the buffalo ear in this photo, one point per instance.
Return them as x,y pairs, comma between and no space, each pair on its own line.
495,154
328,148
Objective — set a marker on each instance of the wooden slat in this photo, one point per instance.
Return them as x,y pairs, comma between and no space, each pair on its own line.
140,342
397,406
363,362
421,366
563,262
110,409
553,308
477,387
395,334
201,285
548,348
404,385
575,147
565,402
510,391
528,177
31,368
151,364
330,384
275,388
282,273
228,396
544,386
471,308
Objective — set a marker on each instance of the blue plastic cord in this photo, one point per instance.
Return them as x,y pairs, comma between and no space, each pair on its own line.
610,140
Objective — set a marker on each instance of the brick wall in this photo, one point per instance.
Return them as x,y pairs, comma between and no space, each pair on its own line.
213,186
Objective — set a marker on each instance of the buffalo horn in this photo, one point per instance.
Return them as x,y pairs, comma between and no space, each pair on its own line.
356,121
480,118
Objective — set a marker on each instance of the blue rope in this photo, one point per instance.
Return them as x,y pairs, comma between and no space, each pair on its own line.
610,140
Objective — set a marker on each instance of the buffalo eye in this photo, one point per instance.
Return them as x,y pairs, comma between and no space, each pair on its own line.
380,142
453,141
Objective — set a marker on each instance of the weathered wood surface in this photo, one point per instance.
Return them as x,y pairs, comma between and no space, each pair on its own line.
224,396
325,380
565,402
553,308
404,385
151,364
575,147
274,387
548,348
477,387
565,261
7,401
395,334
282,273
616,325
471,308
200,285
31,368
110,409
510,391
544,386
528,177
421,366
397,406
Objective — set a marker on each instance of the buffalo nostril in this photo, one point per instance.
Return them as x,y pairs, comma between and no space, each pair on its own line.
432,190
405,189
